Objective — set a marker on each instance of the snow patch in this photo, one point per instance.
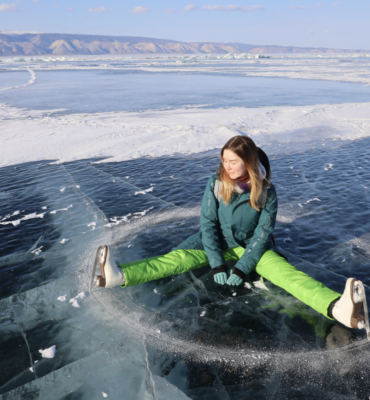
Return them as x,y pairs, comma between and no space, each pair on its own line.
37,251
142,213
25,218
74,301
48,353
118,220
61,209
145,191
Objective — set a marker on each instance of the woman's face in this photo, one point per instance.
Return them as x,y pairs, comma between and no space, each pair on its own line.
233,165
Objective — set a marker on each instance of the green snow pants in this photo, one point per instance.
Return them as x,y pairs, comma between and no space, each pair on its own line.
271,266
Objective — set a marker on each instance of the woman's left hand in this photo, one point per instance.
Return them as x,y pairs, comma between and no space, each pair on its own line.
234,280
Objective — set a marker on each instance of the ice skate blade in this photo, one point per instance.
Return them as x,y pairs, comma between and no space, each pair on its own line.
364,303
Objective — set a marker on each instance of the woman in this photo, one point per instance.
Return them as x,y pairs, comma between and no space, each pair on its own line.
238,217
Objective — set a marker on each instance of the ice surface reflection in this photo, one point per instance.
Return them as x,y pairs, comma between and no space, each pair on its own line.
137,90
182,336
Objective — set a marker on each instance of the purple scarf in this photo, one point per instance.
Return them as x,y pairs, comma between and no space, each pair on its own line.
243,183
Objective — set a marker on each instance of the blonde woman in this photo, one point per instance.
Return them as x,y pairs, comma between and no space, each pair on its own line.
238,217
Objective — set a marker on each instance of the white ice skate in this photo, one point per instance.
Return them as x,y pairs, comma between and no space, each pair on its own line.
111,275
347,309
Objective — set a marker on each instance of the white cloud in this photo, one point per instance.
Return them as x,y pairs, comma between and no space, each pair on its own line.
100,9
70,9
190,7
319,5
309,32
232,8
297,8
327,31
35,1
8,7
141,10
337,3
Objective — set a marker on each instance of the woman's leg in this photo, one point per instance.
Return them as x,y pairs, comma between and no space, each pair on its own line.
315,294
187,256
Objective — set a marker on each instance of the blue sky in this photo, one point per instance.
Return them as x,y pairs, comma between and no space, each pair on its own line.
341,24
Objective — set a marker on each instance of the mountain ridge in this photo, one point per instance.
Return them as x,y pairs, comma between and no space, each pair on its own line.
33,43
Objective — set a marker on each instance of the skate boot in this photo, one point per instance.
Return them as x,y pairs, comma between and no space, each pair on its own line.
347,309
111,275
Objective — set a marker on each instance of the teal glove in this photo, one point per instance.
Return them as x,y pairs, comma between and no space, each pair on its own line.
234,280
220,278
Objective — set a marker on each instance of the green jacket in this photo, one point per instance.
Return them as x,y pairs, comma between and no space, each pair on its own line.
237,224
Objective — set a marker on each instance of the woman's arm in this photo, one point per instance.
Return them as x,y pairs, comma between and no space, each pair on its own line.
210,226
262,234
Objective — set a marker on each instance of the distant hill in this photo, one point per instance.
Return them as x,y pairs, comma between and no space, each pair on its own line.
33,43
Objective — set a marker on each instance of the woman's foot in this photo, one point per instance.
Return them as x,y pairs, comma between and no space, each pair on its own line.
347,309
111,275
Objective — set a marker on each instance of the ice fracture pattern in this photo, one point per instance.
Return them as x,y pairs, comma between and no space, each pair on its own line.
183,336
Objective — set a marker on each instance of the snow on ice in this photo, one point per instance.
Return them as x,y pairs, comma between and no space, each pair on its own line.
48,353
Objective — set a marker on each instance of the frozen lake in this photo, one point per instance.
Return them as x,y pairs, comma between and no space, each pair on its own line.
104,91
181,337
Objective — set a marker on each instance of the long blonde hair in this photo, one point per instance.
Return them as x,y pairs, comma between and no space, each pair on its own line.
246,149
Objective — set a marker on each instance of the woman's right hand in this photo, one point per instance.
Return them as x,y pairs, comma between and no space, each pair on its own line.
220,278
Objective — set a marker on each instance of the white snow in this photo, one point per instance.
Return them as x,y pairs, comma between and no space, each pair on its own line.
126,135
62,298
315,199
18,221
118,220
37,251
145,191
48,353
11,215
74,301
61,209
142,213
63,241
